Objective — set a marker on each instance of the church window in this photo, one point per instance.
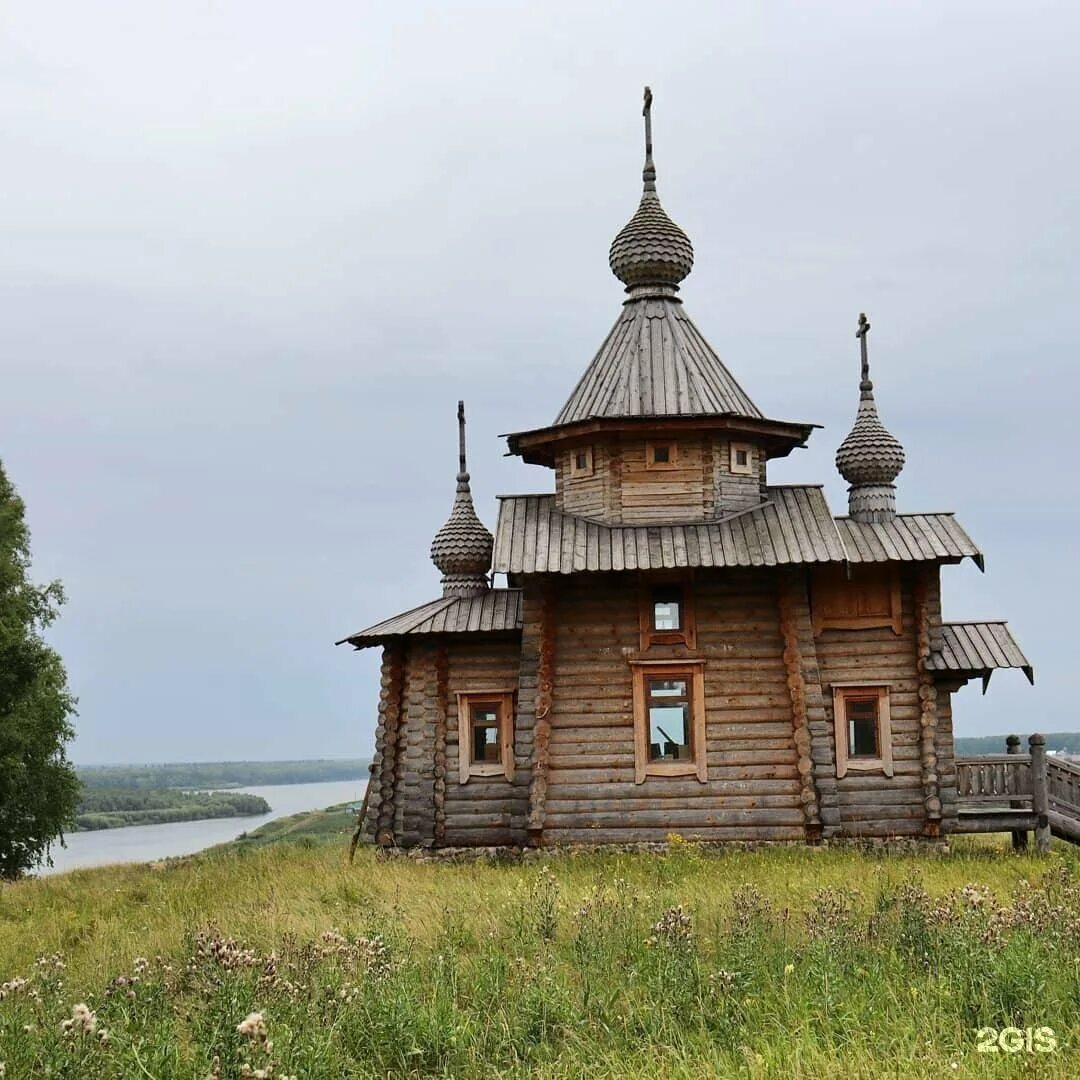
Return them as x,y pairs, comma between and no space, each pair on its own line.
661,455
742,459
667,614
863,729
581,461
669,719
486,734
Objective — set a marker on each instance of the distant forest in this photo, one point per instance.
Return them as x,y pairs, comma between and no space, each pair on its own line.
111,808
1067,741
220,774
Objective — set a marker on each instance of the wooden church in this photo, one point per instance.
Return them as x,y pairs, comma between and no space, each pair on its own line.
682,646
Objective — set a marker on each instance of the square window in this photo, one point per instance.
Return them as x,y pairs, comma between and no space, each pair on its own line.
667,609
581,461
863,729
666,615
742,459
485,734
669,719
661,454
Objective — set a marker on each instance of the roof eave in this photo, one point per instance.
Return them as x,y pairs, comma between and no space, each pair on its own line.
537,446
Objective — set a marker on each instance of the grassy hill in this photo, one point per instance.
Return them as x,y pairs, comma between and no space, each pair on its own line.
785,962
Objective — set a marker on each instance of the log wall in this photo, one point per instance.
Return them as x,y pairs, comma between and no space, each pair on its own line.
753,789
871,804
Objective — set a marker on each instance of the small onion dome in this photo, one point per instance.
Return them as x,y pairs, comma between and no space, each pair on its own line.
462,547
650,249
870,454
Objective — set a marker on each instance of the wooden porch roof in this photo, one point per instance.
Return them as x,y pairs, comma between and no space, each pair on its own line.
496,611
793,526
978,648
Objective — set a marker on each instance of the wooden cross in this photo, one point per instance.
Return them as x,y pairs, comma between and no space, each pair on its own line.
864,329
649,172
461,436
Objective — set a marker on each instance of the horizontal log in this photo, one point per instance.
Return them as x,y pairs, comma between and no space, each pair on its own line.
675,788
602,835
632,804
676,819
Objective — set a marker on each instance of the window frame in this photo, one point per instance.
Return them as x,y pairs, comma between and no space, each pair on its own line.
733,453
648,634
660,466
585,470
693,671
503,701
845,761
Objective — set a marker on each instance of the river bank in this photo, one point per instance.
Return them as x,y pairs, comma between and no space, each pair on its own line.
146,843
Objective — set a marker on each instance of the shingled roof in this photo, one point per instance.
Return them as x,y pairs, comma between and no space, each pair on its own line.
655,362
978,648
793,526
493,612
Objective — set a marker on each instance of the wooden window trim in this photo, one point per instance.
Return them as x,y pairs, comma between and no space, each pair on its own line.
734,466
648,636
845,764
660,466
504,702
586,470
694,673
894,620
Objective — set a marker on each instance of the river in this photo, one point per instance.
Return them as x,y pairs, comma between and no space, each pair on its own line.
144,843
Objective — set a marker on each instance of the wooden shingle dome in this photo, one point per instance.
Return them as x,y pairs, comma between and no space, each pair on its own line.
650,249
871,457
462,547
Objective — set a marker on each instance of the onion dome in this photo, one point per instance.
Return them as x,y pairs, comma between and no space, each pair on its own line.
650,249
462,547
871,457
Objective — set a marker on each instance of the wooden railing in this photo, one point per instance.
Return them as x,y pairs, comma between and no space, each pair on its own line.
994,778
1063,778
1011,792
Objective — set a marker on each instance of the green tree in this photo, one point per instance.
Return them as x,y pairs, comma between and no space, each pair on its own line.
38,786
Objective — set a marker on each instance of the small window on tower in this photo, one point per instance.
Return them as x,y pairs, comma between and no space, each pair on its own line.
661,455
581,461
742,459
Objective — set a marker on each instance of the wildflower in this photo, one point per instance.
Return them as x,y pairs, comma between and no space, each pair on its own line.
253,1027
82,1022
103,1038
789,968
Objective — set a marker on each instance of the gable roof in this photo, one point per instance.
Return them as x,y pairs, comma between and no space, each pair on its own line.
495,611
655,362
978,648
793,526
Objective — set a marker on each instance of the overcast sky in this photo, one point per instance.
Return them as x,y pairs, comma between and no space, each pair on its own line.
254,252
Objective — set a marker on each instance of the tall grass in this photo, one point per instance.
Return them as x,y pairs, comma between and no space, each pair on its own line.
784,962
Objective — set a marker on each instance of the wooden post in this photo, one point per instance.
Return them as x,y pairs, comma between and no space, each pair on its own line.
1040,793
1019,836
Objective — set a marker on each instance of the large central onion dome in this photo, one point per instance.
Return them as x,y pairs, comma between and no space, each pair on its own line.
650,249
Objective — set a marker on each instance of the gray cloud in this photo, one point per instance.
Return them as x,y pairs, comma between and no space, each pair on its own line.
254,253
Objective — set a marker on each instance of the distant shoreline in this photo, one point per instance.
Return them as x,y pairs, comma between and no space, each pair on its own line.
220,775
